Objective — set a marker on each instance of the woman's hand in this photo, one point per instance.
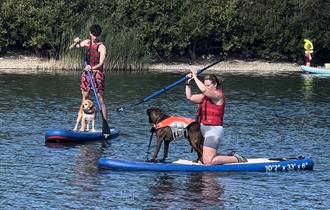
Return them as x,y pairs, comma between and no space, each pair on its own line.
193,73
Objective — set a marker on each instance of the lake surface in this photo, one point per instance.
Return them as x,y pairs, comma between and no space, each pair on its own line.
285,115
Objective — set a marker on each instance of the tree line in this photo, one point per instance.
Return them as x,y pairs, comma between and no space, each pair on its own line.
137,31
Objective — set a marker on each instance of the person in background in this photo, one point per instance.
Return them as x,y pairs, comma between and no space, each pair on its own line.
211,108
308,56
95,57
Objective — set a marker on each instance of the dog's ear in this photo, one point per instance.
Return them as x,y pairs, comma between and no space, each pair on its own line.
152,111
158,112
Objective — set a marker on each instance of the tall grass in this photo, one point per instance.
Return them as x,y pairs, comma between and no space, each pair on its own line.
124,50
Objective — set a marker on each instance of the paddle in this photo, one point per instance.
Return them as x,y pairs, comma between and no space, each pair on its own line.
105,126
157,93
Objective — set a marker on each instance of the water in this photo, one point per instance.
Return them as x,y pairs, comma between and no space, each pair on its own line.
267,116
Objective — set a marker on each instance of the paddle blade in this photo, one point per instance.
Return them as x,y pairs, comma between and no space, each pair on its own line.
105,128
120,109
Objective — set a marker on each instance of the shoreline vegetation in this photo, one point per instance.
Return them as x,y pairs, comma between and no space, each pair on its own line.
190,34
24,64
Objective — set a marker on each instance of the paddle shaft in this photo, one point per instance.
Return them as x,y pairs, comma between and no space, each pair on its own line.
105,126
169,87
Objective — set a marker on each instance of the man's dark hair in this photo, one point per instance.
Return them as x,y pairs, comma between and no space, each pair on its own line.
96,29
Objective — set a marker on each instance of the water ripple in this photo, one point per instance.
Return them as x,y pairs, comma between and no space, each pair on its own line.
266,116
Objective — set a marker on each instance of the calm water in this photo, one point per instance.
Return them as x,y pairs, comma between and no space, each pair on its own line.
267,116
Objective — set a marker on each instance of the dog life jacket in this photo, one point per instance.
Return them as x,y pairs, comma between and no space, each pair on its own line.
93,54
178,125
209,113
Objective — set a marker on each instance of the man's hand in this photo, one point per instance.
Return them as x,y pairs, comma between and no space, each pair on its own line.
88,68
76,40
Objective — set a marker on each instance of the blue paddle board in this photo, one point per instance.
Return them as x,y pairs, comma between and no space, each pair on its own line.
65,135
313,70
253,164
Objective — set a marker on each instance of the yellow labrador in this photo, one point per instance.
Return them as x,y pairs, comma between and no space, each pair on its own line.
86,116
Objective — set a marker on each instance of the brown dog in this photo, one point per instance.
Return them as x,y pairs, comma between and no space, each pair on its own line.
166,133
86,115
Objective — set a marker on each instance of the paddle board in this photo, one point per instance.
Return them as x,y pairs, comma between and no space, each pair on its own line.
314,70
253,164
65,135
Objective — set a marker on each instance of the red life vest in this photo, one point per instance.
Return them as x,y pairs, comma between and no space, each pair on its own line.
209,113
93,54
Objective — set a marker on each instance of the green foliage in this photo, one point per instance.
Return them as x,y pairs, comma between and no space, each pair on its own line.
276,29
134,30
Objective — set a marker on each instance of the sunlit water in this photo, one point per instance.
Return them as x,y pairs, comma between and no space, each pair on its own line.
266,116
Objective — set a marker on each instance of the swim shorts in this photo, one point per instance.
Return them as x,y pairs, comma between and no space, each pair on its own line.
98,77
213,135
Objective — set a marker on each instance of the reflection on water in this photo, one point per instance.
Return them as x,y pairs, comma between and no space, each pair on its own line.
85,172
307,84
198,190
266,116
208,188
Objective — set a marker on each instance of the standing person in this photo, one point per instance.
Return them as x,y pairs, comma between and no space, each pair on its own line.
96,54
211,107
308,56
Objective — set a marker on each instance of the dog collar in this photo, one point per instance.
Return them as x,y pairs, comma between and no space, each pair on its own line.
89,111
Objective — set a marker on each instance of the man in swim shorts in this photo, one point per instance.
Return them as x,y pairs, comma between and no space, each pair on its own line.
96,54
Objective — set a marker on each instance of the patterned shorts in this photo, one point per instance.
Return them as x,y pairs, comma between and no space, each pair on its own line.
98,77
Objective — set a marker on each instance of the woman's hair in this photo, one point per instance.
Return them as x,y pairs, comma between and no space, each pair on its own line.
214,80
96,29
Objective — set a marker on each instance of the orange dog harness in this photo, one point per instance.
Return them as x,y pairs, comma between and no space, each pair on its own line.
178,125
174,121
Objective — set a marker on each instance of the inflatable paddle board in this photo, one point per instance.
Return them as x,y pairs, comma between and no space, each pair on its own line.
314,70
65,135
253,164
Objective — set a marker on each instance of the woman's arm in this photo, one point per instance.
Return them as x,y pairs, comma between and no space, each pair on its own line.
195,98
212,93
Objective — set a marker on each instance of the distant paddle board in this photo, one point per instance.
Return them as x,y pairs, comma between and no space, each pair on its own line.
313,70
65,135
